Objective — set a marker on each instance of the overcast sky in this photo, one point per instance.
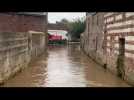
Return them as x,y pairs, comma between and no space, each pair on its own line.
53,17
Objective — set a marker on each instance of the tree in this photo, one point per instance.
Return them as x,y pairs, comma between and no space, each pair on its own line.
63,21
77,27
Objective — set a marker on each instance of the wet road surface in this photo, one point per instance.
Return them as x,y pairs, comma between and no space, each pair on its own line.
64,66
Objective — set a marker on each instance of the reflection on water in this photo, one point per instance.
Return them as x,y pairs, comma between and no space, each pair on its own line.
64,66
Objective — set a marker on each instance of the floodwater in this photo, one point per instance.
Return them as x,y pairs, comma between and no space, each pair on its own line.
64,66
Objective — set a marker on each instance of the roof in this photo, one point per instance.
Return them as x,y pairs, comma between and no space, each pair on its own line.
33,13
90,13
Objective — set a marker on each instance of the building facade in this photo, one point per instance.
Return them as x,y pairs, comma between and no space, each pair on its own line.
22,37
109,40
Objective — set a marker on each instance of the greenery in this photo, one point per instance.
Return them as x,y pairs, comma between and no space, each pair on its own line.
75,28
57,42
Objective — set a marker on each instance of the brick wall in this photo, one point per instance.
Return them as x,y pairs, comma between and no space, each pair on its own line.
22,23
101,41
121,26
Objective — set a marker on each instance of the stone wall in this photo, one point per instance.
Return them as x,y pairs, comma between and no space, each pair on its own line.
93,37
109,40
22,38
120,26
14,53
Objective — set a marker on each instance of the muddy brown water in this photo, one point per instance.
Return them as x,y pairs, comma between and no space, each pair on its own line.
64,66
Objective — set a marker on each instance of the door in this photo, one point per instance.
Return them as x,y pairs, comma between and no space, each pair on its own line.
120,60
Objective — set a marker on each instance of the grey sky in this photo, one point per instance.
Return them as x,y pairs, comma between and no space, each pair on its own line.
57,16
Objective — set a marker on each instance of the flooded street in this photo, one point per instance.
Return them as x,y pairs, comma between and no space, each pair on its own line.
64,66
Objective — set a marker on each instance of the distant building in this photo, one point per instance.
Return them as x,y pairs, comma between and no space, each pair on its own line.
61,33
55,37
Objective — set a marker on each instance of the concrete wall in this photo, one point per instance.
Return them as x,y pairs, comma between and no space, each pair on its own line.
101,41
92,38
20,36
37,43
14,53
